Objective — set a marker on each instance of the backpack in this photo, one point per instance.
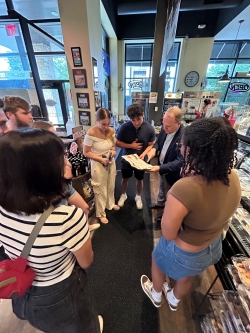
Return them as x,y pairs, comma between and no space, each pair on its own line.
16,276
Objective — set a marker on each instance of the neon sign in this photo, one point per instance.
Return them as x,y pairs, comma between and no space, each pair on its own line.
236,87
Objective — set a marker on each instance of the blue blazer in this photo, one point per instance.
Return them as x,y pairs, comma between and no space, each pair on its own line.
173,160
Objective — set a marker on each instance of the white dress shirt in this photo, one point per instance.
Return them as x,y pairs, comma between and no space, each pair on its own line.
166,145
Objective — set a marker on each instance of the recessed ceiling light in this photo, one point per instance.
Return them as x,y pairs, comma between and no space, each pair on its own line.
201,26
55,13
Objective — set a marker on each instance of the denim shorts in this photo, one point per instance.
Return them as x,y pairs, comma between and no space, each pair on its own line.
65,307
177,263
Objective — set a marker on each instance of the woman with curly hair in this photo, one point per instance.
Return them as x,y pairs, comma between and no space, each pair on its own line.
197,210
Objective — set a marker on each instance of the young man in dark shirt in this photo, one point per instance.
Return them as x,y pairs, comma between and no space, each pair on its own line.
135,137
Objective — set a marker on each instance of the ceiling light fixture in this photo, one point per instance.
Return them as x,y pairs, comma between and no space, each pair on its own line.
54,13
225,77
202,26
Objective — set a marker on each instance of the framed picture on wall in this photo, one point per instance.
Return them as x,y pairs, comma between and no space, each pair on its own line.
76,56
84,118
83,100
80,78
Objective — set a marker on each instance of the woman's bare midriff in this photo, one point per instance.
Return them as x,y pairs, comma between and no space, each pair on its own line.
188,247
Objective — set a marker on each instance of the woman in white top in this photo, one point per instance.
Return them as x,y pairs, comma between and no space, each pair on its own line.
31,180
99,146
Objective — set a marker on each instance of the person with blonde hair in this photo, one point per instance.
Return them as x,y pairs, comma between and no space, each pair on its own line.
99,147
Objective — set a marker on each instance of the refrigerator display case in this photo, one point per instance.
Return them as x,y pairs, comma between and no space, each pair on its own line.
237,240
242,120
172,99
193,106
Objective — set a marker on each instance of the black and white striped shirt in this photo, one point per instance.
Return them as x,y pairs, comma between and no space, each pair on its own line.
51,257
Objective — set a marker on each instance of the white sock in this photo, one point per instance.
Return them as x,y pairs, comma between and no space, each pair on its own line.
171,298
156,295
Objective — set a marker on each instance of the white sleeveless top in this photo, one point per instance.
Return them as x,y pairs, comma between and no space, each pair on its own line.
98,146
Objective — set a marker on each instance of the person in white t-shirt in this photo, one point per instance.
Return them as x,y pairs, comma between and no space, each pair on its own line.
31,180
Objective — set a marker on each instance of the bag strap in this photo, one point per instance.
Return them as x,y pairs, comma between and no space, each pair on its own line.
34,233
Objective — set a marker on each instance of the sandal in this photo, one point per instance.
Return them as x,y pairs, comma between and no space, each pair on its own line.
104,220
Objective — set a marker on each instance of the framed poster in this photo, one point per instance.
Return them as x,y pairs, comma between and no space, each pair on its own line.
83,100
84,118
76,56
80,78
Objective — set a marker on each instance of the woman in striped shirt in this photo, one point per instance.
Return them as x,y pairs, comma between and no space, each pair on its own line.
31,179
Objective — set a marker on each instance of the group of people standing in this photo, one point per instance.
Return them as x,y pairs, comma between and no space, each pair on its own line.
198,191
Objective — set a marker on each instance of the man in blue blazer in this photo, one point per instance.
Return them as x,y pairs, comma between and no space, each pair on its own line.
170,159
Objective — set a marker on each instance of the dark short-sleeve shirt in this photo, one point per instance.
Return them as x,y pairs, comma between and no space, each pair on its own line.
127,133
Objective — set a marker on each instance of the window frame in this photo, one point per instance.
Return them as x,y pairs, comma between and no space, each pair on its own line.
234,60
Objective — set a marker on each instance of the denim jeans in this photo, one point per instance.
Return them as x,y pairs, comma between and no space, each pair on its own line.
65,307
178,263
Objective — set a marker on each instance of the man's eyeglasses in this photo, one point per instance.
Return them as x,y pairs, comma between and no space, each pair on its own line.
179,145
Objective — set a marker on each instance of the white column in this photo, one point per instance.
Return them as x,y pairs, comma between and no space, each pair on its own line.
81,27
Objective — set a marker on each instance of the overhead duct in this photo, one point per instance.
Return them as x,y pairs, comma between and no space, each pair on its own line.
149,6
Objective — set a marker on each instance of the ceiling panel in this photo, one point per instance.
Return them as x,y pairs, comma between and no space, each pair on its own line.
229,32
37,9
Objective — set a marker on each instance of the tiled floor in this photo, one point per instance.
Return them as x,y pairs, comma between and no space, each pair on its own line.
176,322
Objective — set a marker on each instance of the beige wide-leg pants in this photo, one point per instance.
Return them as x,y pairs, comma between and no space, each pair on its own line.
103,182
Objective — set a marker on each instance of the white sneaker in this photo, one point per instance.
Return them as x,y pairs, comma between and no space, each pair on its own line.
171,306
138,202
101,323
147,286
122,199
166,288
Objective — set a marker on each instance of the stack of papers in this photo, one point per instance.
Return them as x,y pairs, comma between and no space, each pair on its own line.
136,162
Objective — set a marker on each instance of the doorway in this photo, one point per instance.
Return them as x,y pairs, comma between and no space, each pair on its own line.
58,100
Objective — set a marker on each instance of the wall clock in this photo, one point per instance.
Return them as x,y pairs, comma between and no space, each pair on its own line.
191,79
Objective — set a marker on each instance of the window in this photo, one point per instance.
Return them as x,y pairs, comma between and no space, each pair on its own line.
52,67
3,8
224,50
15,71
216,68
138,69
235,56
54,29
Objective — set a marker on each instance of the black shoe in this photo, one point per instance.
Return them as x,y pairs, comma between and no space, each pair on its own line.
155,206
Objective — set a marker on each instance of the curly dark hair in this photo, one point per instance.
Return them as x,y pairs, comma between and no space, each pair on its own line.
1,103
210,146
134,111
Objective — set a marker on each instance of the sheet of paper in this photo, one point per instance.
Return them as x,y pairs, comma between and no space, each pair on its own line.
136,162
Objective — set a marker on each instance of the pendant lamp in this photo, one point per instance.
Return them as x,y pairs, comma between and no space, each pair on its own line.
225,77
